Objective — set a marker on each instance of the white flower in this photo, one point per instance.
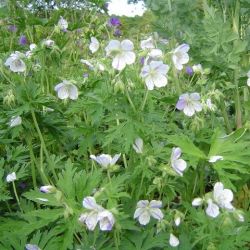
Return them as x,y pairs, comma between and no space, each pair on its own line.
29,53
215,158
15,121
47,189
62,24
155,74
212,209
153,55
66,90
189,103
180,56
11,177
100,66
91,218
145,209
197,68
138,145
122,53
197,202
177,220
210,105
106,220
105,160
31,247
88,63
173,241
179,165
94,45
223,197
48,43
148,43
97,214
248,79
15,62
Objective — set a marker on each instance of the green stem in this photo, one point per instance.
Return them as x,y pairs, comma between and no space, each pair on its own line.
44,145
130,101
178,87
144,100
237,103
17,199
225,117
124,161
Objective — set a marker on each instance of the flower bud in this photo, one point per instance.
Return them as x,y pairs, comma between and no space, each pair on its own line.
47,189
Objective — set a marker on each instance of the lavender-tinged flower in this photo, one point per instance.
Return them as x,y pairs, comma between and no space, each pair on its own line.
62,24
145,209
138,145
12,28
15,63
105,160
155,74
179,165
106,220
85,75
148,43
23,40
31,247
189,70
180,56
94,45
66,90
15,121
121,52
212,209
189,103
47,189
114,22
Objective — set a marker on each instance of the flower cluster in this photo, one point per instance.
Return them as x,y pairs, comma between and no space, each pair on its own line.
95,214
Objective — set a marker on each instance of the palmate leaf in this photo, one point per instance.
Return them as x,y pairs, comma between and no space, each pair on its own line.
234,150
187,146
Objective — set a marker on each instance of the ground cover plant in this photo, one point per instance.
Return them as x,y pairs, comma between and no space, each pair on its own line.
125,133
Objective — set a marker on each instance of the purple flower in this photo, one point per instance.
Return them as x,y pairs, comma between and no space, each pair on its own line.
85,75
23,40
117,32
12,28
189,71
114,22
142,60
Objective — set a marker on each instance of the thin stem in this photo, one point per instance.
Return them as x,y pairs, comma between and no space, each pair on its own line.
130,101
124,161
144,100
44,145
237,103
225,117
17,199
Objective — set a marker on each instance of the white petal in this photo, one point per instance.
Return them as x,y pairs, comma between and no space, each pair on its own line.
156,213
248,82
228,194
176,153
189,110
212,210
63,93
173,241
147,44
113,45
144,218
91,220
155,204
73,92
218,188
11,177
197,202
215,158
177,221
89,202
15,121
138,212
184,48
94,45
106,220
138,146
129,57
142,203
195,96
119,62
149,83
160,81
179,166
127,45
115,159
